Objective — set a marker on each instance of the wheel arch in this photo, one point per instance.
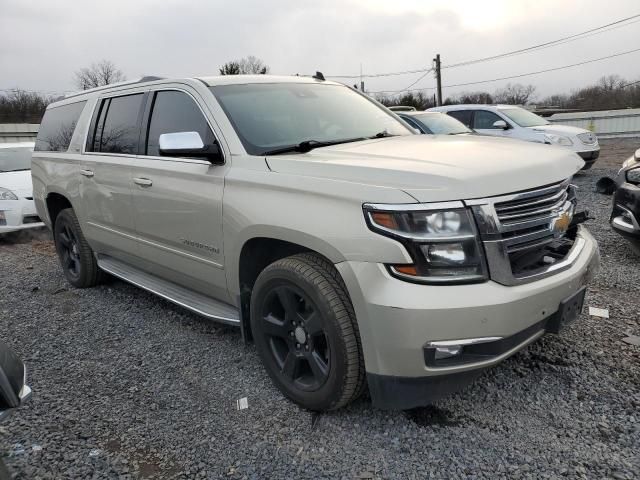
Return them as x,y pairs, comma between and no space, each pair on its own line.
56,202
255,254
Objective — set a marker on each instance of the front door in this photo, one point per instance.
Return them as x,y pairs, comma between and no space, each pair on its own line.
483,121
178,201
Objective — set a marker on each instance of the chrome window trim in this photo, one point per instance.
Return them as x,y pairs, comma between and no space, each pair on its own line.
150,90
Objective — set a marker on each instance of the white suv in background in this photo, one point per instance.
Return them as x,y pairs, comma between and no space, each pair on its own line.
515,122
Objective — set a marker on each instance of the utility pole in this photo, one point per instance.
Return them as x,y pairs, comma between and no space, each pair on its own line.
438,80
361,80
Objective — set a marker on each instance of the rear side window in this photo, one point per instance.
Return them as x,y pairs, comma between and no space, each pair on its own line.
57,127
117,126
174,112
463,116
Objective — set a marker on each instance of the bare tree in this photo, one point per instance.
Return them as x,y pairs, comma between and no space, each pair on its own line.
419,100
245,66
19,106
484,98
98,74
515,94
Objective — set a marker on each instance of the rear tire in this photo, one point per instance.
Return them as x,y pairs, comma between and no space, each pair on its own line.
76,256
306,333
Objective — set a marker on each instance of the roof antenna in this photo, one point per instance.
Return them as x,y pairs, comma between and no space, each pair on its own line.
319,76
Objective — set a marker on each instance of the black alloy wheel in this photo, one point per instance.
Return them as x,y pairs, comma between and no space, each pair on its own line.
306,333
77,259
293,330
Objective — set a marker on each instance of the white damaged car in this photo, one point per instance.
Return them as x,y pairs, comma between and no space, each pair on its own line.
17,211
510,121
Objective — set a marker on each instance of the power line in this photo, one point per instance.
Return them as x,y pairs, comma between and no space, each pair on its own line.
577,36
553,43
525,74
630,84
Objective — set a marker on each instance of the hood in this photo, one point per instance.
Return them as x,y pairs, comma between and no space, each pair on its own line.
566,130
437,167
18,182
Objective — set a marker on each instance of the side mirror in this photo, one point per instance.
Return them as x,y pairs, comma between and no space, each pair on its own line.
13,391
188,144
501,124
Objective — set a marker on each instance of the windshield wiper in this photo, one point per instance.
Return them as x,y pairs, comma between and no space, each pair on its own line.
308,145
382,134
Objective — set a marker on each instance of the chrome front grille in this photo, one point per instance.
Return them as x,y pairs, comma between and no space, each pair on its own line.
524,233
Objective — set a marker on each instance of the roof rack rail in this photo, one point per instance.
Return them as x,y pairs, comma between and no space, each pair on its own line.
147,78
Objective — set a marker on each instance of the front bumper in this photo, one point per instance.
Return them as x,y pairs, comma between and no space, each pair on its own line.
18,215
397,320
625,216
589,158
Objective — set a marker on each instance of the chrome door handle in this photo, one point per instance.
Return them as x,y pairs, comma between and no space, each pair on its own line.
87,173
143,182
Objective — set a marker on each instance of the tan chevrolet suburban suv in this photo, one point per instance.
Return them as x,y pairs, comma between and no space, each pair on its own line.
351,250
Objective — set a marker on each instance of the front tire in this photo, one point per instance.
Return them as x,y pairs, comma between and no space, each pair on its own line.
306,332
76,256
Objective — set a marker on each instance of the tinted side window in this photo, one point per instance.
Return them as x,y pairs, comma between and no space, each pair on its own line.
173,112
117,129
484,119
57,127
463,116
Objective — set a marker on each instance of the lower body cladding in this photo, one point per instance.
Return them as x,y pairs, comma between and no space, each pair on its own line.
589,158
18,215
423,342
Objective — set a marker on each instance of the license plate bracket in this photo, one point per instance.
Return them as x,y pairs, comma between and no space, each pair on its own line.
568,311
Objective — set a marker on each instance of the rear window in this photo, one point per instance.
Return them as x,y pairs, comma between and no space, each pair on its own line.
57,127
117,126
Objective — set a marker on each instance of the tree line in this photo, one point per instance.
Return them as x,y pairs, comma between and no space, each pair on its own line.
610,92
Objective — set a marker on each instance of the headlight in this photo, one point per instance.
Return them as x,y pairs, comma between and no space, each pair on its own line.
633,176
443,242
7,194
558,139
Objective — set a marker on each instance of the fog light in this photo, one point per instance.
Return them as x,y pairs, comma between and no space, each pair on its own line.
447,352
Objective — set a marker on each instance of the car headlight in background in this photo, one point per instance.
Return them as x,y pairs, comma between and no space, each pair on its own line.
443,242
558,139
633,176
7,194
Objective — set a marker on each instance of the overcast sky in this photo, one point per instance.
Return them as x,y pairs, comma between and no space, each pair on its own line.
43,42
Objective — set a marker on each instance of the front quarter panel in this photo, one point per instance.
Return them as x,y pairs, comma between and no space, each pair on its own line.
319,214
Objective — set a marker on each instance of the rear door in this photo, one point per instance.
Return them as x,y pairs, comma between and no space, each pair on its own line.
110,153
177,200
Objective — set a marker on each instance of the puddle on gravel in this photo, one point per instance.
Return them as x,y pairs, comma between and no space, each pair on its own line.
432,415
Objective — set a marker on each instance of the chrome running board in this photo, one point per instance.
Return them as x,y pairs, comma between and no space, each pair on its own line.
196,302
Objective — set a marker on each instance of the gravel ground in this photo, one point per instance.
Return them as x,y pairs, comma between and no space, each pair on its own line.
127,385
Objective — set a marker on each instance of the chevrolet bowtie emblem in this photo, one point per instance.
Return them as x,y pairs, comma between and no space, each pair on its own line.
561,224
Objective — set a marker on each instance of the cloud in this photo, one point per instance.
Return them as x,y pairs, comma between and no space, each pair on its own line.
43,43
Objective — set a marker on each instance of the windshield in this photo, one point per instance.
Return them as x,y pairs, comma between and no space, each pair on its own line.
272,116
523,117
440,123
13,159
